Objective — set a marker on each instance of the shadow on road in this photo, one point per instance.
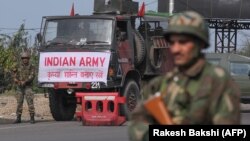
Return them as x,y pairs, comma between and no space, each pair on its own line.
10,121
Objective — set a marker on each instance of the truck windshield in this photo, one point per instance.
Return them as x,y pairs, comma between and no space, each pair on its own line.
78,32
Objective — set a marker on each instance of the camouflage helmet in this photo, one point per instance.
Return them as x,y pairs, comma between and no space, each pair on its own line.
25,55
188,22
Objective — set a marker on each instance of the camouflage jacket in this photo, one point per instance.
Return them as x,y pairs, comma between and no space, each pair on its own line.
26,74
202,94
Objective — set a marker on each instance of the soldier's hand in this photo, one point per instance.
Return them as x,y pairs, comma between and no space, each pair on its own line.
16,81
19,83
22,83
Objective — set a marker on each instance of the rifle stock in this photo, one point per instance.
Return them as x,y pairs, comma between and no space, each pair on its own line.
156,107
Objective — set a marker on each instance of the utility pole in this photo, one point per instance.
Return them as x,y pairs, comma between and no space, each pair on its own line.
171,7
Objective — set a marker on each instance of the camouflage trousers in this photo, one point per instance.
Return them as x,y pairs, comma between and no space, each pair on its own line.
28,94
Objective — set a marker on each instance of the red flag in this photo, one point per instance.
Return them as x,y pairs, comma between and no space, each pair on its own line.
141,12
72,12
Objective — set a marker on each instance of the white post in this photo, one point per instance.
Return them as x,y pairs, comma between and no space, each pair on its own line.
171,7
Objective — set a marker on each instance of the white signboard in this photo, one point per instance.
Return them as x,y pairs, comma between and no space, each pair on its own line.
73,67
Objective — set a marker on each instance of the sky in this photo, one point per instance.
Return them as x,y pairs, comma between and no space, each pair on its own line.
15,12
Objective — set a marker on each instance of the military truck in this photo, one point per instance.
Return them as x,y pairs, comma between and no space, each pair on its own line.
238,67
112,50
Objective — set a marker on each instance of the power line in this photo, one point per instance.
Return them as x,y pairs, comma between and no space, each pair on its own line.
2,28
9,33
152,2
185,4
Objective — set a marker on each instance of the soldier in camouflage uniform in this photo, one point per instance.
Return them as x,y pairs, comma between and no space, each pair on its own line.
195,92
23,79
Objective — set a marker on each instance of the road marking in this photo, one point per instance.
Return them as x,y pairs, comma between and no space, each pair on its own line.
39,125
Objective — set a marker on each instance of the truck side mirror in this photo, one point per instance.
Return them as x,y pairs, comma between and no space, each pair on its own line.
123,36
39,37
249,73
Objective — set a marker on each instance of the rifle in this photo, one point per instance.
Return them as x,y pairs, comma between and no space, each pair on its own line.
156,107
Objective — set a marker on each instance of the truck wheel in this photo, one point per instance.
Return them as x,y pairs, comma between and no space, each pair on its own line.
61,106
156,57
132,94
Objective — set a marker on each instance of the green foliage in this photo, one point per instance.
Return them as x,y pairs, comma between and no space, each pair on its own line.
245,50
10,50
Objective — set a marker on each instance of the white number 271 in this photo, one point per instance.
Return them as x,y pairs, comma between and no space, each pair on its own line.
95,85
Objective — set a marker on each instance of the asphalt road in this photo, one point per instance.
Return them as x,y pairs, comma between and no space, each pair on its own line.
68,131
61,131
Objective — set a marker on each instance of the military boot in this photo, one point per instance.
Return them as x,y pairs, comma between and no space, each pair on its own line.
32,118
18,119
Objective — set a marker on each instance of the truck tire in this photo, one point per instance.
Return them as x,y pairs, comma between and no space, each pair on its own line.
132,94
140,50
60,108
156,57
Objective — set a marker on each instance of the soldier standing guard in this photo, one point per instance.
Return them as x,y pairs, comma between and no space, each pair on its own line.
195,92
23,79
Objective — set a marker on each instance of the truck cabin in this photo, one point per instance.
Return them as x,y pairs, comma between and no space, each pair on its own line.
77,31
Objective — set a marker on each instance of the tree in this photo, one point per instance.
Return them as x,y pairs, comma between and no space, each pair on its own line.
245,51
10,49
20,39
